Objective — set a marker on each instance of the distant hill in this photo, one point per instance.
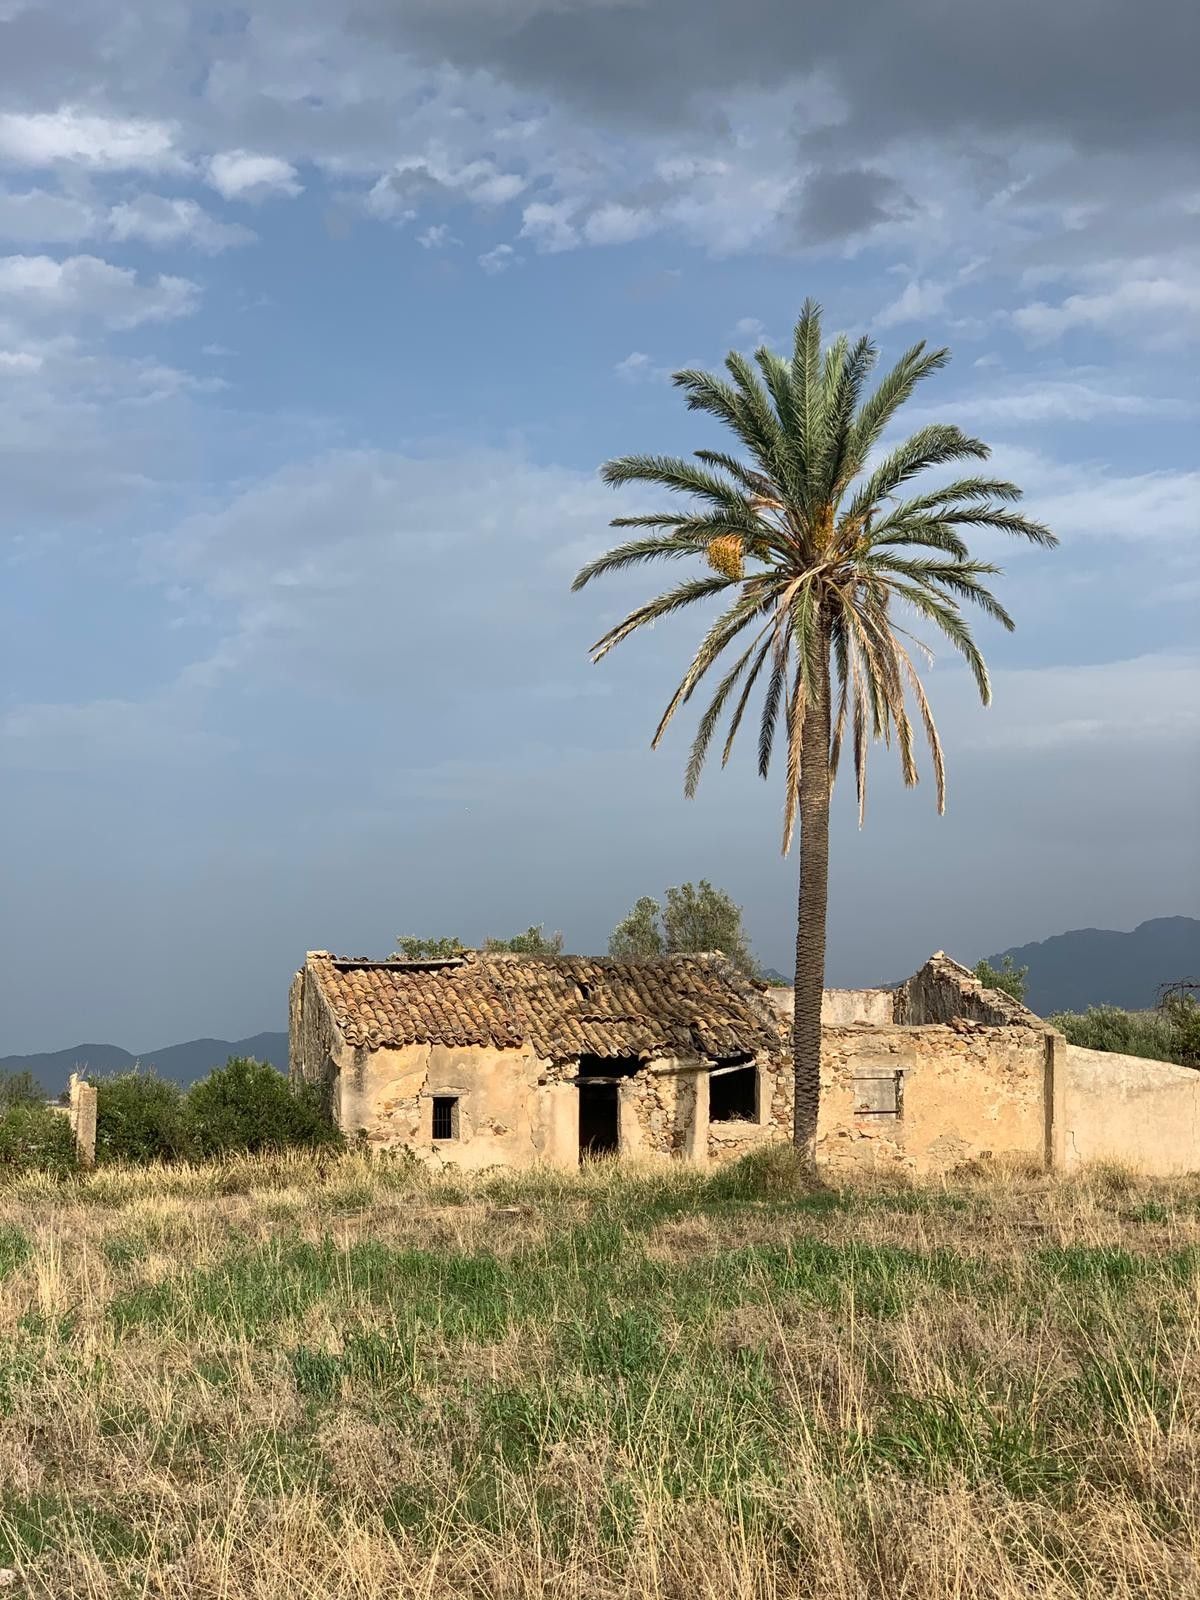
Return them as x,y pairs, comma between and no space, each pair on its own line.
1094,966
183,1062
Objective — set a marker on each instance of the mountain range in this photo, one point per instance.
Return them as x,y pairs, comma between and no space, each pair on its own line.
1094,966
183,1062
1069,972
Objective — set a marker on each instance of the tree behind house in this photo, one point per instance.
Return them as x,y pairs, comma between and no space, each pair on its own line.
695,919
1007,977
533,942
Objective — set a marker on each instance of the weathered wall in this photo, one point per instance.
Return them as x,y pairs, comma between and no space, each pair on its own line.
967,1093
658,1110
840,1007
314,1039
944,990
1124,1108
507,1114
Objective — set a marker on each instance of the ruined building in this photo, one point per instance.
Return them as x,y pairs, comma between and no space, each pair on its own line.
495,1059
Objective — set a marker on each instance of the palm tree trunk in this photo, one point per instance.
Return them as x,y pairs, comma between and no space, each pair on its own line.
814,895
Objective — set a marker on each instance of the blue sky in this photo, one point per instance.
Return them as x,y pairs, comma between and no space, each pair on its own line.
315,325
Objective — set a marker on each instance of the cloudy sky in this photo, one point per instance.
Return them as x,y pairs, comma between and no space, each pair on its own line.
315,324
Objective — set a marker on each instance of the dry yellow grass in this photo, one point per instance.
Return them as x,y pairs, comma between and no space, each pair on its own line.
333,1378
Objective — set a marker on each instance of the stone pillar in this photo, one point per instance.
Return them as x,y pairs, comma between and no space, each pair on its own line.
629,1126
696,1144
83,1120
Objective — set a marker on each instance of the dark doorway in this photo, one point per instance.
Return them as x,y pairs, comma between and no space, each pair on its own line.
598,1119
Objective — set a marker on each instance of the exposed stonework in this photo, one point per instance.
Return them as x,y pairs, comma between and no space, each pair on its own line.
943,991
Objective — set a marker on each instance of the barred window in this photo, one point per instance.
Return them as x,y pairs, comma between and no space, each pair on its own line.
445,1116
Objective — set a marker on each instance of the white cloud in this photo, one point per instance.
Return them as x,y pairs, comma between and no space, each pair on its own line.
499,260
243,175
330,548
47,138
1037,401
1155,306
39,217
158,220
618,224
921,297
437,237
20,361
550,226
1148,698
85,286
637,367
397,195
1086,501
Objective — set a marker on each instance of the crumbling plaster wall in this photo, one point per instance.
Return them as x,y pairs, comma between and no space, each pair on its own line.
969,1092
839,1007
513,1110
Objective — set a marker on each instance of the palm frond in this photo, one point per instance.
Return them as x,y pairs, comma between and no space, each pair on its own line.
739,710
929,447
893,390
712,715
634,552
722,633
676,474
950,620
663,605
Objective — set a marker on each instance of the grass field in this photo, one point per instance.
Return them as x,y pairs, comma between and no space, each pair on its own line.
331,1379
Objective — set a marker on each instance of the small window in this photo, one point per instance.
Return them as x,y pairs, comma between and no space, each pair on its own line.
879,1095
445,1116
733,1094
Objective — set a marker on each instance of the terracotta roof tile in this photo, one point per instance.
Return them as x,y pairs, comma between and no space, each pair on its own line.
564,1006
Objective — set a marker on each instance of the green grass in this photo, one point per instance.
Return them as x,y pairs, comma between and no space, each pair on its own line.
660,1383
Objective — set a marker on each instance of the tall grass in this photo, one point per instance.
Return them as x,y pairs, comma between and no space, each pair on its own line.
309,1376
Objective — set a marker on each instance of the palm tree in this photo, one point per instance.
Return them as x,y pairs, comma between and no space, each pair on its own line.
817,553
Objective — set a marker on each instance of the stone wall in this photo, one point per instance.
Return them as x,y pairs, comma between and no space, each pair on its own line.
659,1111
931,1098
944,990
1108,1107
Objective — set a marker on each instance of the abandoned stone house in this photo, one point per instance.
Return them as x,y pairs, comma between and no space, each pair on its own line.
495,1059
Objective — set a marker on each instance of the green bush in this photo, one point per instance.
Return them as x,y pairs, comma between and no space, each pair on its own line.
20,1089
1007,977
34,1137
1171,1033
247,1105
141,1117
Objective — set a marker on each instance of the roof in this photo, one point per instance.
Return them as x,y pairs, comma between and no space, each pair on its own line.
563,1006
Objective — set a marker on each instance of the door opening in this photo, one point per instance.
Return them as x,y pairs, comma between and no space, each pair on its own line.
598,1135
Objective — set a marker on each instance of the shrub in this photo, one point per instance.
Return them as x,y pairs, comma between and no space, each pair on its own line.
35,1137
1007,977
247,1105
141,1117
20,1089
1130,1033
